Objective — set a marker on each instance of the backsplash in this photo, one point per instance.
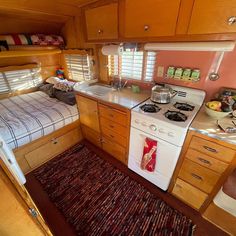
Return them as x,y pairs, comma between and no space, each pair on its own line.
202,61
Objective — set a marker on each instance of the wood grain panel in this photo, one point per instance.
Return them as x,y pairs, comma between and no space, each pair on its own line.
116,138
159,15
212,17
190,195
112,114
212,149
198,176
52,148
113,126
206,161
114,149
221,219
88,112
102,22
91,135
15,217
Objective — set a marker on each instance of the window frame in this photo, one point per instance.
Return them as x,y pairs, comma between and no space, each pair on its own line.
144,69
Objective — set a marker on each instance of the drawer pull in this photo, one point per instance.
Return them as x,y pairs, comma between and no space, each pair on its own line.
111,126
111,115
204,161
111,136
54,141
196,176
210,149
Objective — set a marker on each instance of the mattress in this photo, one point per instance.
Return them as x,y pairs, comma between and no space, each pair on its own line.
27,117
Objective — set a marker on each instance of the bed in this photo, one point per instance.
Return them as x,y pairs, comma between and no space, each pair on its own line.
25,118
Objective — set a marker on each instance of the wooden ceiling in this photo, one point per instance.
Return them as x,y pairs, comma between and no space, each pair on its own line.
39,15
53,7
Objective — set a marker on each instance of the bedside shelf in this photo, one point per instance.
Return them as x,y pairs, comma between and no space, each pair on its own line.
25,53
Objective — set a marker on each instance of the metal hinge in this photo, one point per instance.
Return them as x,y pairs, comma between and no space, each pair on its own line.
33,212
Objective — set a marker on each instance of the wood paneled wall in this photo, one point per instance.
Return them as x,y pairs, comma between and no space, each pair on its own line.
12,25
48,63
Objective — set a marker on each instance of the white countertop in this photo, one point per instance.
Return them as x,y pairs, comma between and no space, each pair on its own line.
124,97
207,125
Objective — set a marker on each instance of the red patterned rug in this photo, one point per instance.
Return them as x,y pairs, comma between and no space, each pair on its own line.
98,199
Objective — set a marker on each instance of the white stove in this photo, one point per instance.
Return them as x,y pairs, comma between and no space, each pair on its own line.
167,124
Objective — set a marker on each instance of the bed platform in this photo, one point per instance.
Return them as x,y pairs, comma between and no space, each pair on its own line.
38,127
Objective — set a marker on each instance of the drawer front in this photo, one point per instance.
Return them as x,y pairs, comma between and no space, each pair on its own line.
114,136
114,149
189,194
49,150
113,114
91,135
210,148
114,127
198,176
206,161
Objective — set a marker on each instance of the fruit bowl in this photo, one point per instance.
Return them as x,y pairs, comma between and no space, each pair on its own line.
216,114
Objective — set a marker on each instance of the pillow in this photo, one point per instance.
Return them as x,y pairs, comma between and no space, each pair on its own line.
64,85
47,88
53,80
66,97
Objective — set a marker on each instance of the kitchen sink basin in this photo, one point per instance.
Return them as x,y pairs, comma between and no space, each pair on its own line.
98,90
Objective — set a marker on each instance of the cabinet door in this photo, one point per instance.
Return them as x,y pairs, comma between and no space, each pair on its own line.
210,16
88,112
150,18
102,22
15,218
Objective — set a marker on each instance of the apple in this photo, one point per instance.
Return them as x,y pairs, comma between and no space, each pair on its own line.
214,105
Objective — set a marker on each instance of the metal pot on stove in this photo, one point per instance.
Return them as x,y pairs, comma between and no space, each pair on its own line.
162,94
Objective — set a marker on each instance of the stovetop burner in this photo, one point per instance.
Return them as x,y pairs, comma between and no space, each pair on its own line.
176,116
150,108
183,106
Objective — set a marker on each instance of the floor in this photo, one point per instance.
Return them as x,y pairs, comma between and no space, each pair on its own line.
60,227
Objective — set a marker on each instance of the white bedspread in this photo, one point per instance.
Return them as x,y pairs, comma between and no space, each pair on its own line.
27,117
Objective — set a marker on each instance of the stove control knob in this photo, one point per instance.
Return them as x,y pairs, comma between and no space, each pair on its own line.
137,121
153,127
170,134
144,124
161,131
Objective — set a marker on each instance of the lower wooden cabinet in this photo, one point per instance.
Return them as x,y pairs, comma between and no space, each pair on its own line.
203,167
112,135
189,194
32,155
91,135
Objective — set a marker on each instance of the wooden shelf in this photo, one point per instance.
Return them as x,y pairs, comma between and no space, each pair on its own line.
25,53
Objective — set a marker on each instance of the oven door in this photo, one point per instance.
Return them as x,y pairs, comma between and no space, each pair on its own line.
166,158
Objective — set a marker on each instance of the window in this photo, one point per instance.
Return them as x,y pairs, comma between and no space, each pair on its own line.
137,65
12,81
79,67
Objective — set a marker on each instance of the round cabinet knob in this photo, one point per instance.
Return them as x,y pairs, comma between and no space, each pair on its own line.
153,127
161,131
137,121
170,134
100,31
232,20
146,27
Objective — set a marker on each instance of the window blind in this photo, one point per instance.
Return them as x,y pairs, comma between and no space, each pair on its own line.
11,81
78,67
133,65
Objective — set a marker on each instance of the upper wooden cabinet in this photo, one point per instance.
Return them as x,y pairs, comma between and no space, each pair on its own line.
102,22
218,16
149,18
